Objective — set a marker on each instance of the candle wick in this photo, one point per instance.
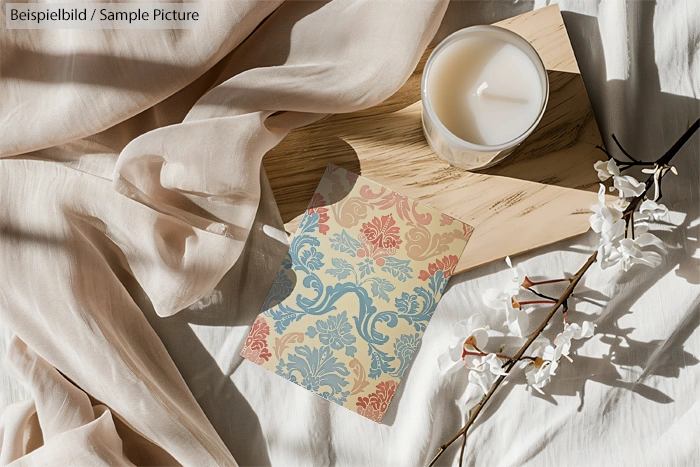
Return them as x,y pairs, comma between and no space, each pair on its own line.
481,91
500,97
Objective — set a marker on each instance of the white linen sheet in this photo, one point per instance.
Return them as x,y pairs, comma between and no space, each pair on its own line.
629,398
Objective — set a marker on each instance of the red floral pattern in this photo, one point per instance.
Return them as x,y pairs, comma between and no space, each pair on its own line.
317,205
447,265
445,219
374,406
255,348
397,201
379,237
382,233
467,232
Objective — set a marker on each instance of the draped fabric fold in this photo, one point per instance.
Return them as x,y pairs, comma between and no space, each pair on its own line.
130,163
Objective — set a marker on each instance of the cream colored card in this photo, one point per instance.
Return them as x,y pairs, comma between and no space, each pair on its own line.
349,305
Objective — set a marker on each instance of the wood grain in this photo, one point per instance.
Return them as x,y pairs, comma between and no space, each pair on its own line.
539,195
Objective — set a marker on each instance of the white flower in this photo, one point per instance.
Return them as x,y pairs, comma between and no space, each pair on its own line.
503,299
609,224
540,372
562,346
603,217
608,254
628,186
606,169
652,210
496,297
483,379
584,331
539,376
517,276
620,204
571,331
484,370
614,233
470,336
475,327
517,320
631,254
628,251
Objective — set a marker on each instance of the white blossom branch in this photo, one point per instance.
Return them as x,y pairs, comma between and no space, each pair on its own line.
612,222
476,410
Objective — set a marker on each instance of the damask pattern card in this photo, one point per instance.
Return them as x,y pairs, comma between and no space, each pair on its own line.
349,305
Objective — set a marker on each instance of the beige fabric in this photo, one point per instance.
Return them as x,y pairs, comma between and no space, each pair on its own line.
122,176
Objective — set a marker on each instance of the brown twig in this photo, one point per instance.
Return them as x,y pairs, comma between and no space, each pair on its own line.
481,353
527,283
517,357
461,452
663,164
536,302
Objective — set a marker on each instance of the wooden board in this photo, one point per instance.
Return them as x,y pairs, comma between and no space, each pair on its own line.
539,195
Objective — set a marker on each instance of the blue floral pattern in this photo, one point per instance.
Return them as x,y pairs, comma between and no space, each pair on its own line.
404,348
282,286
336,331
317,370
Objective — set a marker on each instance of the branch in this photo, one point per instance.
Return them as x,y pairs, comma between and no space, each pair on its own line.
623,149
666,158
662,162
518,356
662,165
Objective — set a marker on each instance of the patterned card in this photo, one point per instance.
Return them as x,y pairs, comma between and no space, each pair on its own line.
350,303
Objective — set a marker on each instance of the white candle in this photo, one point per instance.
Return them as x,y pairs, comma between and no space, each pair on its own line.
484,91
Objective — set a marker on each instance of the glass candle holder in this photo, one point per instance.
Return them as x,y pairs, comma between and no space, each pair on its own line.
484,90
